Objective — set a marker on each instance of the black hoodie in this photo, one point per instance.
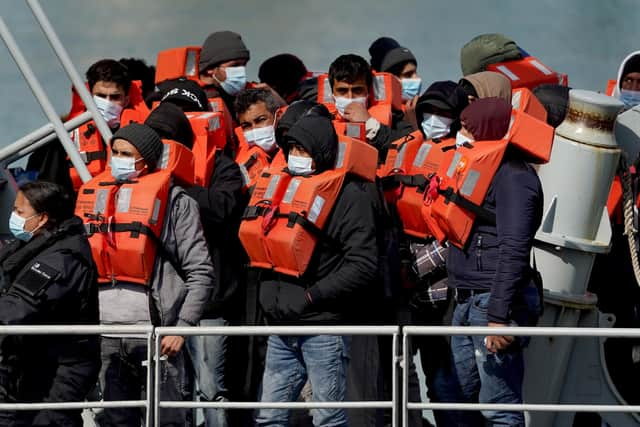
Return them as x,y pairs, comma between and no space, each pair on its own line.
342,268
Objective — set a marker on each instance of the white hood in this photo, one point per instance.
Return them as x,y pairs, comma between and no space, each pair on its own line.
616,89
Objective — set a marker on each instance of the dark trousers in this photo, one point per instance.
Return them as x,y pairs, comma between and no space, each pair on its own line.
37,377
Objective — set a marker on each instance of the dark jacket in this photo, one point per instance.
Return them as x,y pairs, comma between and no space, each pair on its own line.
51,279
343,267
386,135
497,257
52,164
221,207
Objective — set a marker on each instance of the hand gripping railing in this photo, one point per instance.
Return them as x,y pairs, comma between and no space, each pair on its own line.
409,331
393,331
83,330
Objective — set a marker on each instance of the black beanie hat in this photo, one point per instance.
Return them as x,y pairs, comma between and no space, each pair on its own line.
184,93
378,50
220,47
396,56
146,141
170,122
631,66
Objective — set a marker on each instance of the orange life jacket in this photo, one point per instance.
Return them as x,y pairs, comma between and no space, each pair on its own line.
611,85
418,160
252,160
210,137
454,195
124,220
178,62
528,72
286,214
88,140
464,176
385,97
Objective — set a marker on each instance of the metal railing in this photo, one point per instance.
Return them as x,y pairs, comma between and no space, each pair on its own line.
409,331
393,331
84,330
154,403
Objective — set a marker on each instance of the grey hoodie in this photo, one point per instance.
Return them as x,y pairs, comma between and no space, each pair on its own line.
179,296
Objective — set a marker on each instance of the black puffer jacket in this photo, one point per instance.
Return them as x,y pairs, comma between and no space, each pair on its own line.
221,207
51,279
343,268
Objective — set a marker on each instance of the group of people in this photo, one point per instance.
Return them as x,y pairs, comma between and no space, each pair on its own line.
290,208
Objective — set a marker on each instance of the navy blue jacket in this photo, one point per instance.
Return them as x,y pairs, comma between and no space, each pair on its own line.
497,257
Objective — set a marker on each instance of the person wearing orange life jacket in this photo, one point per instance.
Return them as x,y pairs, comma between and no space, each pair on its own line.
257,111
209,354
111,86
438,112
389,57
222,66
178,285
341,268
351,82
491,274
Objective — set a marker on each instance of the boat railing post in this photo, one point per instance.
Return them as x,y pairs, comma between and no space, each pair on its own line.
66,62
44,102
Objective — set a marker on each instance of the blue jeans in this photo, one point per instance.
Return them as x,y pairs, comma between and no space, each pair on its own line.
481,376
323,359
207,353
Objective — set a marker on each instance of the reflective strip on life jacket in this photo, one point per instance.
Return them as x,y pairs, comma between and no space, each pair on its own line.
286,214
465,174
124,220
528,72
89,143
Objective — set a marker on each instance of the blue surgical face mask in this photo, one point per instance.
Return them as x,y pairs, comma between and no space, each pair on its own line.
462,140
236,80
16,225
630,98
124,168
435,126
410,88
342,102
299,165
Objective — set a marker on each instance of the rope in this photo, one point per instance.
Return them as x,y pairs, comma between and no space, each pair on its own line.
627,210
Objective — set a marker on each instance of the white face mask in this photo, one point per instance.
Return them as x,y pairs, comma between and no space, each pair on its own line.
110,111
462,140
435,126
342,102
264,137
236,80
124,168
299,165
